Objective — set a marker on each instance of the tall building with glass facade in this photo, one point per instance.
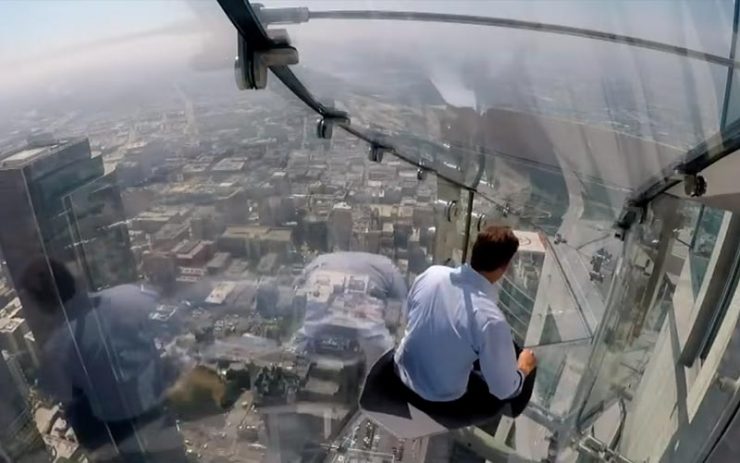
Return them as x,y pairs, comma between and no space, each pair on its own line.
20,440
71,208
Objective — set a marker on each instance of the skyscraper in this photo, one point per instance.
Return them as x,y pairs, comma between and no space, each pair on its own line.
97,222
341,226
58,203
20,441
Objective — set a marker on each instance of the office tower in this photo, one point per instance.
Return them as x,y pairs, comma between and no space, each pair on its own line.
519,287
206,223
341,226
160,270
7,293
268,211
20,441
97,221
58,203
317,233
12,332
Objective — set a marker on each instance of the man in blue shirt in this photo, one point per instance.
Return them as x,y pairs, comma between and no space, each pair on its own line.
100,362
458,344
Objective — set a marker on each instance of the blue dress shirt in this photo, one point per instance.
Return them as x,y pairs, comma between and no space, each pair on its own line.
453,320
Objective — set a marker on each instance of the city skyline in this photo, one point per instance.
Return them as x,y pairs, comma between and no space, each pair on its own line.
209,268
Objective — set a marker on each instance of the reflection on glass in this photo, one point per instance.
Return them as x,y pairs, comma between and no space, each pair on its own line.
639,352
234,276
617,114
263,294
704,239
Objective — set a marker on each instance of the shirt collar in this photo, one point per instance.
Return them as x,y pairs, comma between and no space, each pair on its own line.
477,279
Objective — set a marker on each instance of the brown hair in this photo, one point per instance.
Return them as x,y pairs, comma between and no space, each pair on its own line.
494,247
48,281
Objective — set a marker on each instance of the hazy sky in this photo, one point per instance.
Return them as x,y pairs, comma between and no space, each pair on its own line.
44,43
31,27
34,26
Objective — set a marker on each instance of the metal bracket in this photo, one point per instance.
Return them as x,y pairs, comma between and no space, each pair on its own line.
251,66
594,448
694,185
375,153
480,221
324,129
630,215
325,126
448,209
294,15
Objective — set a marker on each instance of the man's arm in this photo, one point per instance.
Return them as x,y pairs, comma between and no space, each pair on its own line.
498,361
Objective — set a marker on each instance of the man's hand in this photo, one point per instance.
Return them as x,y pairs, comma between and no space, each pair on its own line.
527,361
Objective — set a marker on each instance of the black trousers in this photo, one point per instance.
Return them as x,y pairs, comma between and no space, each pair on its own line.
476,400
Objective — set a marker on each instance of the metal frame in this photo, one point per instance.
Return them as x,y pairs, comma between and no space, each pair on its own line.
697,159
247,22
525,25
731,69
704,154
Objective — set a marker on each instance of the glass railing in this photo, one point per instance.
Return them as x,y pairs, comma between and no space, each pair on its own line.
190,273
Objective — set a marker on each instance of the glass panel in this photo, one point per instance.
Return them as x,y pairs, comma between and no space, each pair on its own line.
640,347
536,434
199,278
613,118
644,289
98,225
261,271
77,338
555,290
703,244
733,100
570,226
707,28
731,108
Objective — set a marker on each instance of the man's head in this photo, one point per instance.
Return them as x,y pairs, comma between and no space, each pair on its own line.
492,251
49,283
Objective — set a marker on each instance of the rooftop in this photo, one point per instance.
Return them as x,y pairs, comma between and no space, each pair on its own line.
255,231
219,259
23,155
342,205
244,231
227,165
322,387
185,247
530,242
33,153
220,292
11,309
45,417
10,324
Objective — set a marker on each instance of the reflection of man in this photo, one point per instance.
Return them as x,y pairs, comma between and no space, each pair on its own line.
102,365
348,299
457,342
385,281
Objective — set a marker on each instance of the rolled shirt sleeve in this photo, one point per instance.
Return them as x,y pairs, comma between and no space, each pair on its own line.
498,361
